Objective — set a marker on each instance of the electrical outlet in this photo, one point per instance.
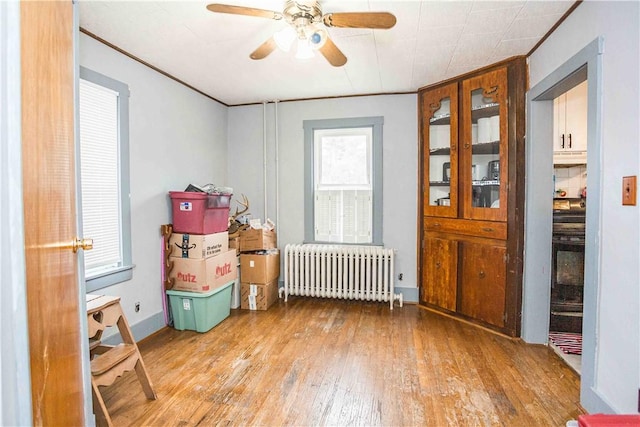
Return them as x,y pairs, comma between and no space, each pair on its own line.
629,190
137,307
400,276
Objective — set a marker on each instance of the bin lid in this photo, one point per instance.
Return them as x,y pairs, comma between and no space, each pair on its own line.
188,294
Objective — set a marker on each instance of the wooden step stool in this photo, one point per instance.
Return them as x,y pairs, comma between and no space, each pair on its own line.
110,362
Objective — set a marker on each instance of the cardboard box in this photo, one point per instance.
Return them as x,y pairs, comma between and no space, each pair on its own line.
203,275
235,244
256,240
198,246
200,311
260,267
258,296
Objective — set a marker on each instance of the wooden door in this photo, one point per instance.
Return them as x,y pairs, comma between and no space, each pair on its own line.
482,282
47,37
439,148
439,272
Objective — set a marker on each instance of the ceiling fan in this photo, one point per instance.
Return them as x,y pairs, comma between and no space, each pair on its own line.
305,19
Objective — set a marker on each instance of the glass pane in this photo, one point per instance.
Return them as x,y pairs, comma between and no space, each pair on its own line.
570,268
345,160
485,160
440,155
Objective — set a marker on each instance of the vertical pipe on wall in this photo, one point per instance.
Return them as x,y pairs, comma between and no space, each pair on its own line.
277,166
264,156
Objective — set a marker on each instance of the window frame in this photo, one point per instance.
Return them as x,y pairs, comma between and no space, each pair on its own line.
124,271
310,126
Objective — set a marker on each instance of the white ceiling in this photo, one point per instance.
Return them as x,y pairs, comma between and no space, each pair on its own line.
432,41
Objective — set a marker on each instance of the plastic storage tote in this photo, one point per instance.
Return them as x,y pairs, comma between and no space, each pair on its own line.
199,213
200,311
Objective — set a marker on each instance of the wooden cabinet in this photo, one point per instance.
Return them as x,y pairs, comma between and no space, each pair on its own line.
570,126
472,198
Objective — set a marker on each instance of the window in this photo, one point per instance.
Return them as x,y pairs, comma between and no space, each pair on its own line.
343,180
104,178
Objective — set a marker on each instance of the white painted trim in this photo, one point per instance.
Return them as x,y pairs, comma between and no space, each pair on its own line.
537,260
15,377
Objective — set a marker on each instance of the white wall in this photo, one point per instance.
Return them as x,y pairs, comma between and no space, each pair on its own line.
177,137
400,167
618,331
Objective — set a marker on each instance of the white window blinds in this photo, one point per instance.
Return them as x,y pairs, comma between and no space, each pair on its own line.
100,184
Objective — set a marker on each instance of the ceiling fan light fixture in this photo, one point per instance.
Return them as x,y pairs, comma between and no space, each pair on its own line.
285,38
318,38
304,50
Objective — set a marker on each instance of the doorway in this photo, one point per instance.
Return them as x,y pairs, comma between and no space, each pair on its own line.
584,65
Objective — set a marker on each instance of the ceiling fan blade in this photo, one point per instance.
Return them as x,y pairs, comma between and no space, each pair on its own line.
334,55
241,10
264,49
376,20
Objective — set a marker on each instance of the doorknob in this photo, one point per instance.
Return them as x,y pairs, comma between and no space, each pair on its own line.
78,243
74,245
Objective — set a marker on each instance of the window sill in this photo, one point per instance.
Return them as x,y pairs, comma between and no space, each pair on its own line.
109,278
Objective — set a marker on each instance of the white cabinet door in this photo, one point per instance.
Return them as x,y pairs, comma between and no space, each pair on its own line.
576,118
570,126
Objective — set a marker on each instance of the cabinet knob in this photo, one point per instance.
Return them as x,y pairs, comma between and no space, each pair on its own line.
437,264
481,275
467,145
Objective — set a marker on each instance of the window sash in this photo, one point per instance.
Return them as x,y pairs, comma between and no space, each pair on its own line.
100,171
104,206
343,185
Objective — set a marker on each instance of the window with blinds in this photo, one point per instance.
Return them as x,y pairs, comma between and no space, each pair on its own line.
103,164
343,180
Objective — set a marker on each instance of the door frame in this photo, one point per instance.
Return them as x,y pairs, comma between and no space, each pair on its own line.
15,408
585,64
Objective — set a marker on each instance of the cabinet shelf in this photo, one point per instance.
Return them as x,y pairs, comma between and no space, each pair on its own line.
481,148
442,119
484,111
478,183
477,112
485,183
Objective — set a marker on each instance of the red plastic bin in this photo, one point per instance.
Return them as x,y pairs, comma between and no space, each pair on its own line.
609,420
199,213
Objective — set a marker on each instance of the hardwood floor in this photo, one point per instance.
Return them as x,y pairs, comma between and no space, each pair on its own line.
335,362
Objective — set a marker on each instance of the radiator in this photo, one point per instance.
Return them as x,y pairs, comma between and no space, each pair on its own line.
335,271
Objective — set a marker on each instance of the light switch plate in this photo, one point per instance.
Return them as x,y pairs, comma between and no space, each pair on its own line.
629,190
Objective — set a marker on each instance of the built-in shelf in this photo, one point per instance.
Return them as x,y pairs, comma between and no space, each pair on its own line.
492,147
479,183
477,112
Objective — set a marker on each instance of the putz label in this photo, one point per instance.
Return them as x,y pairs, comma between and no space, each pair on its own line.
223,270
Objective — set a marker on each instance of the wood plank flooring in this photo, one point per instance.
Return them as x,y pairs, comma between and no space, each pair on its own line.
339,363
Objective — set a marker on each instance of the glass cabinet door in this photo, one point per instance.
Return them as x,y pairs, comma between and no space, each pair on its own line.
440,151
483,151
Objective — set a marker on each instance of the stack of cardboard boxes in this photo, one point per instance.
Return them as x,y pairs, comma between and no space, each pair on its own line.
203,268
259,269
